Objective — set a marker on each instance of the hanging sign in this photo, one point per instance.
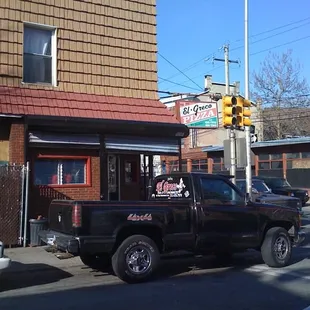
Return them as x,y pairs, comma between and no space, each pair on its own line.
199,114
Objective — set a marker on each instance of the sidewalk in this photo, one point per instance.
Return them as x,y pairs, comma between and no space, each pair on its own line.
37,259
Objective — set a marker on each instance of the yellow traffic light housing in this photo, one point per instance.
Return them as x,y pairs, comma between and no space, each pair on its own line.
229,117
247,112
239,112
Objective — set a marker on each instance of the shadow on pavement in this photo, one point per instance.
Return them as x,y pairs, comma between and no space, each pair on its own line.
234,289
177,265
26,275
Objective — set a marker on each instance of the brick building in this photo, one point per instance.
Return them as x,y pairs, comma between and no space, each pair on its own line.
78,98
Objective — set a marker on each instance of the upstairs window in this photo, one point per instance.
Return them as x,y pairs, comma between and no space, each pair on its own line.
39,54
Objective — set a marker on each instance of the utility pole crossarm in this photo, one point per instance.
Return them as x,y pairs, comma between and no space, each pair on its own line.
230,61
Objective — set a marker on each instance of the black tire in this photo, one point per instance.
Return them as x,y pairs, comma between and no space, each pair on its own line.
98,262
275,257
133,246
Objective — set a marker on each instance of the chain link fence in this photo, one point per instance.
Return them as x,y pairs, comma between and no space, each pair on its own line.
12,179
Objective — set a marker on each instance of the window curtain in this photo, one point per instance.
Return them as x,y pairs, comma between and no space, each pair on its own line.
37,43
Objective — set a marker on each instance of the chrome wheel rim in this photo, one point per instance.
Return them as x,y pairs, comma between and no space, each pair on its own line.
281,247
138,260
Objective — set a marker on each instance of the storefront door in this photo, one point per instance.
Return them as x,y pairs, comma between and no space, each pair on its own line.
113,178
124,177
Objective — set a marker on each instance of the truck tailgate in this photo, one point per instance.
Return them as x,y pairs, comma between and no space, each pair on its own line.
60,216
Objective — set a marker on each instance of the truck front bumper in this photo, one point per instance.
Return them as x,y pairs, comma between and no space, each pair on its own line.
4,263
62,242
299,238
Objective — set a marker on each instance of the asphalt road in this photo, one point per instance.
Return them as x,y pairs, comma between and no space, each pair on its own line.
246,284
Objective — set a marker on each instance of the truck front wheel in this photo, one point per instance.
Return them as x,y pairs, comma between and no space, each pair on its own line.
277,248
136,259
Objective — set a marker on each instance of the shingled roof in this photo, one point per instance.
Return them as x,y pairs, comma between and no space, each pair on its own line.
25,101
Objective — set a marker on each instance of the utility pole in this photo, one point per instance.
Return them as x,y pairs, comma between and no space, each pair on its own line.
248,169
232,133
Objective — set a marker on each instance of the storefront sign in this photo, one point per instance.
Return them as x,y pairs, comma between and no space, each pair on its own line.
199,114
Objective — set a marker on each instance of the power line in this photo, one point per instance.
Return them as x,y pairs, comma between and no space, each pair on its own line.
274,29
178,69
280,45
252,36
192,65
179,84
269,37
262,51
217,67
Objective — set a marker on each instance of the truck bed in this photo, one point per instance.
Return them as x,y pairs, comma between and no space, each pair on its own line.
79,217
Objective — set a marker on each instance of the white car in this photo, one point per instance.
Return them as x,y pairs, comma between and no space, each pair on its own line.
4,261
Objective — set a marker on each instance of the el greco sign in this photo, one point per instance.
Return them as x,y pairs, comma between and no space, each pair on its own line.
199,114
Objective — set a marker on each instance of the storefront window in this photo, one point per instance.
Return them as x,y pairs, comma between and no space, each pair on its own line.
305,155
263,165
263,157
292,155
298,160
174,165
270,161
276,156
276,165
200,165
130,172
60,171
218,164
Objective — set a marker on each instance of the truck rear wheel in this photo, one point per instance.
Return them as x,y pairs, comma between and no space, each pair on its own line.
136,259
99,262
277,248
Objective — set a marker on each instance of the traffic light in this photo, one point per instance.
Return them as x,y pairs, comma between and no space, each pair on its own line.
239,112
246,112
229,117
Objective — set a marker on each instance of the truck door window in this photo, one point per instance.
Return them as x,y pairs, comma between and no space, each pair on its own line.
217,191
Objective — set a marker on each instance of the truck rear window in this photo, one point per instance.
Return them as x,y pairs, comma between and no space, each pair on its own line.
171,187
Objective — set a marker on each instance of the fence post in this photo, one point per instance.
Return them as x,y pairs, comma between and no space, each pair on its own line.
26,205
22,206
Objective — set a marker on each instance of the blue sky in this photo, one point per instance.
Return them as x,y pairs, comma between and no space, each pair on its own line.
190,30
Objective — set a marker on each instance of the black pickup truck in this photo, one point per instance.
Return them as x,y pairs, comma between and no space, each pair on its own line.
196,212
263,194
281,186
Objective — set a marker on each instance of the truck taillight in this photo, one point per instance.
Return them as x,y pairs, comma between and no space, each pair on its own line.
77,215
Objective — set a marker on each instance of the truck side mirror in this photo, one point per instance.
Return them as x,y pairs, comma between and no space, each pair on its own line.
247,198
254,190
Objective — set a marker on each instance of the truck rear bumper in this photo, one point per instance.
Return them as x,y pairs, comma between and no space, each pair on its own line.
62,242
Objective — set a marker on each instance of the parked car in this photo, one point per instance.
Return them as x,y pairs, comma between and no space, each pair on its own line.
281,186
197,212
4,261
263,194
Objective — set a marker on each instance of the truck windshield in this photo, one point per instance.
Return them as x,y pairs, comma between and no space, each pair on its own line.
260,186
279,183
171,187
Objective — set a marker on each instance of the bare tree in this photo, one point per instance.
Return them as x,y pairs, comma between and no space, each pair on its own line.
283,94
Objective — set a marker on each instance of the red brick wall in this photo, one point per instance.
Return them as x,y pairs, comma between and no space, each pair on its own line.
16,144
41,196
